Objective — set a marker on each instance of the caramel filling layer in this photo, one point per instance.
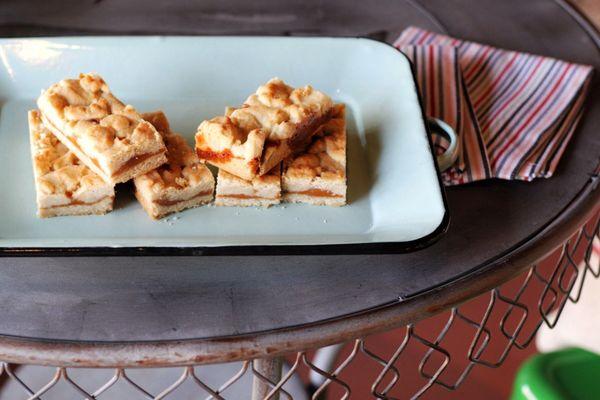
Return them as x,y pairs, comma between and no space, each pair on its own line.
246,196
318,193
135,160
79,203
173,202
209,155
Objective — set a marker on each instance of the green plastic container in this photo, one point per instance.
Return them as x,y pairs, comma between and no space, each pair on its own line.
570,374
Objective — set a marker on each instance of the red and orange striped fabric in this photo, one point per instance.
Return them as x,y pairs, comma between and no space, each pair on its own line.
513,112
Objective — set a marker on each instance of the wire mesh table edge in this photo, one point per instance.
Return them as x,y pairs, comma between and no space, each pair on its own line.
564,283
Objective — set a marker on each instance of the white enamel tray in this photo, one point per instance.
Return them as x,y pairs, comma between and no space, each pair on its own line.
395,198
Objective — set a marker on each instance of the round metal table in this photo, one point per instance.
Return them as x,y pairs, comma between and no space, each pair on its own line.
167,311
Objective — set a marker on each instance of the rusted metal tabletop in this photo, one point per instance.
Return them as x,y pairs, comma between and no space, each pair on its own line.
181,310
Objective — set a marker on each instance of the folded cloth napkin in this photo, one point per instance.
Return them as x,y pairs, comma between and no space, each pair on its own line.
514,113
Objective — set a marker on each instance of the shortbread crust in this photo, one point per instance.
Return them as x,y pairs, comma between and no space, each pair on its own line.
318,176
64,185
183,182
108,136
262,191
273,123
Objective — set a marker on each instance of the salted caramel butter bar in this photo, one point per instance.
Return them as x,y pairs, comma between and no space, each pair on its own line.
111,138
183,182
318,176
262,191
273,123
63,185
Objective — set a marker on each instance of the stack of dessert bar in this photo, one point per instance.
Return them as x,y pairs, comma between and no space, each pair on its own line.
84,141
280,134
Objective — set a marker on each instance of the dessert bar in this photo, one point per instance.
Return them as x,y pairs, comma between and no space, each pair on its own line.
272,124
111,138
262,191
318,176
183,182
64,186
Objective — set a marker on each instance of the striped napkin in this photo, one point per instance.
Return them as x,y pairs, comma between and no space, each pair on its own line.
514,113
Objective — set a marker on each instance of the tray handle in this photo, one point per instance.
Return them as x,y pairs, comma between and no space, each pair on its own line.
448,157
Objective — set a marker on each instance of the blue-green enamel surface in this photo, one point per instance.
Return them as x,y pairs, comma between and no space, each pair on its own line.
393,189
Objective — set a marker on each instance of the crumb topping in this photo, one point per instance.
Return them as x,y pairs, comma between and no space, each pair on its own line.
183,168
96,118
272,113
326,156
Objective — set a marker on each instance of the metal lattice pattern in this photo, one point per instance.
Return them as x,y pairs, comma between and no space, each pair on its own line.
515,311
